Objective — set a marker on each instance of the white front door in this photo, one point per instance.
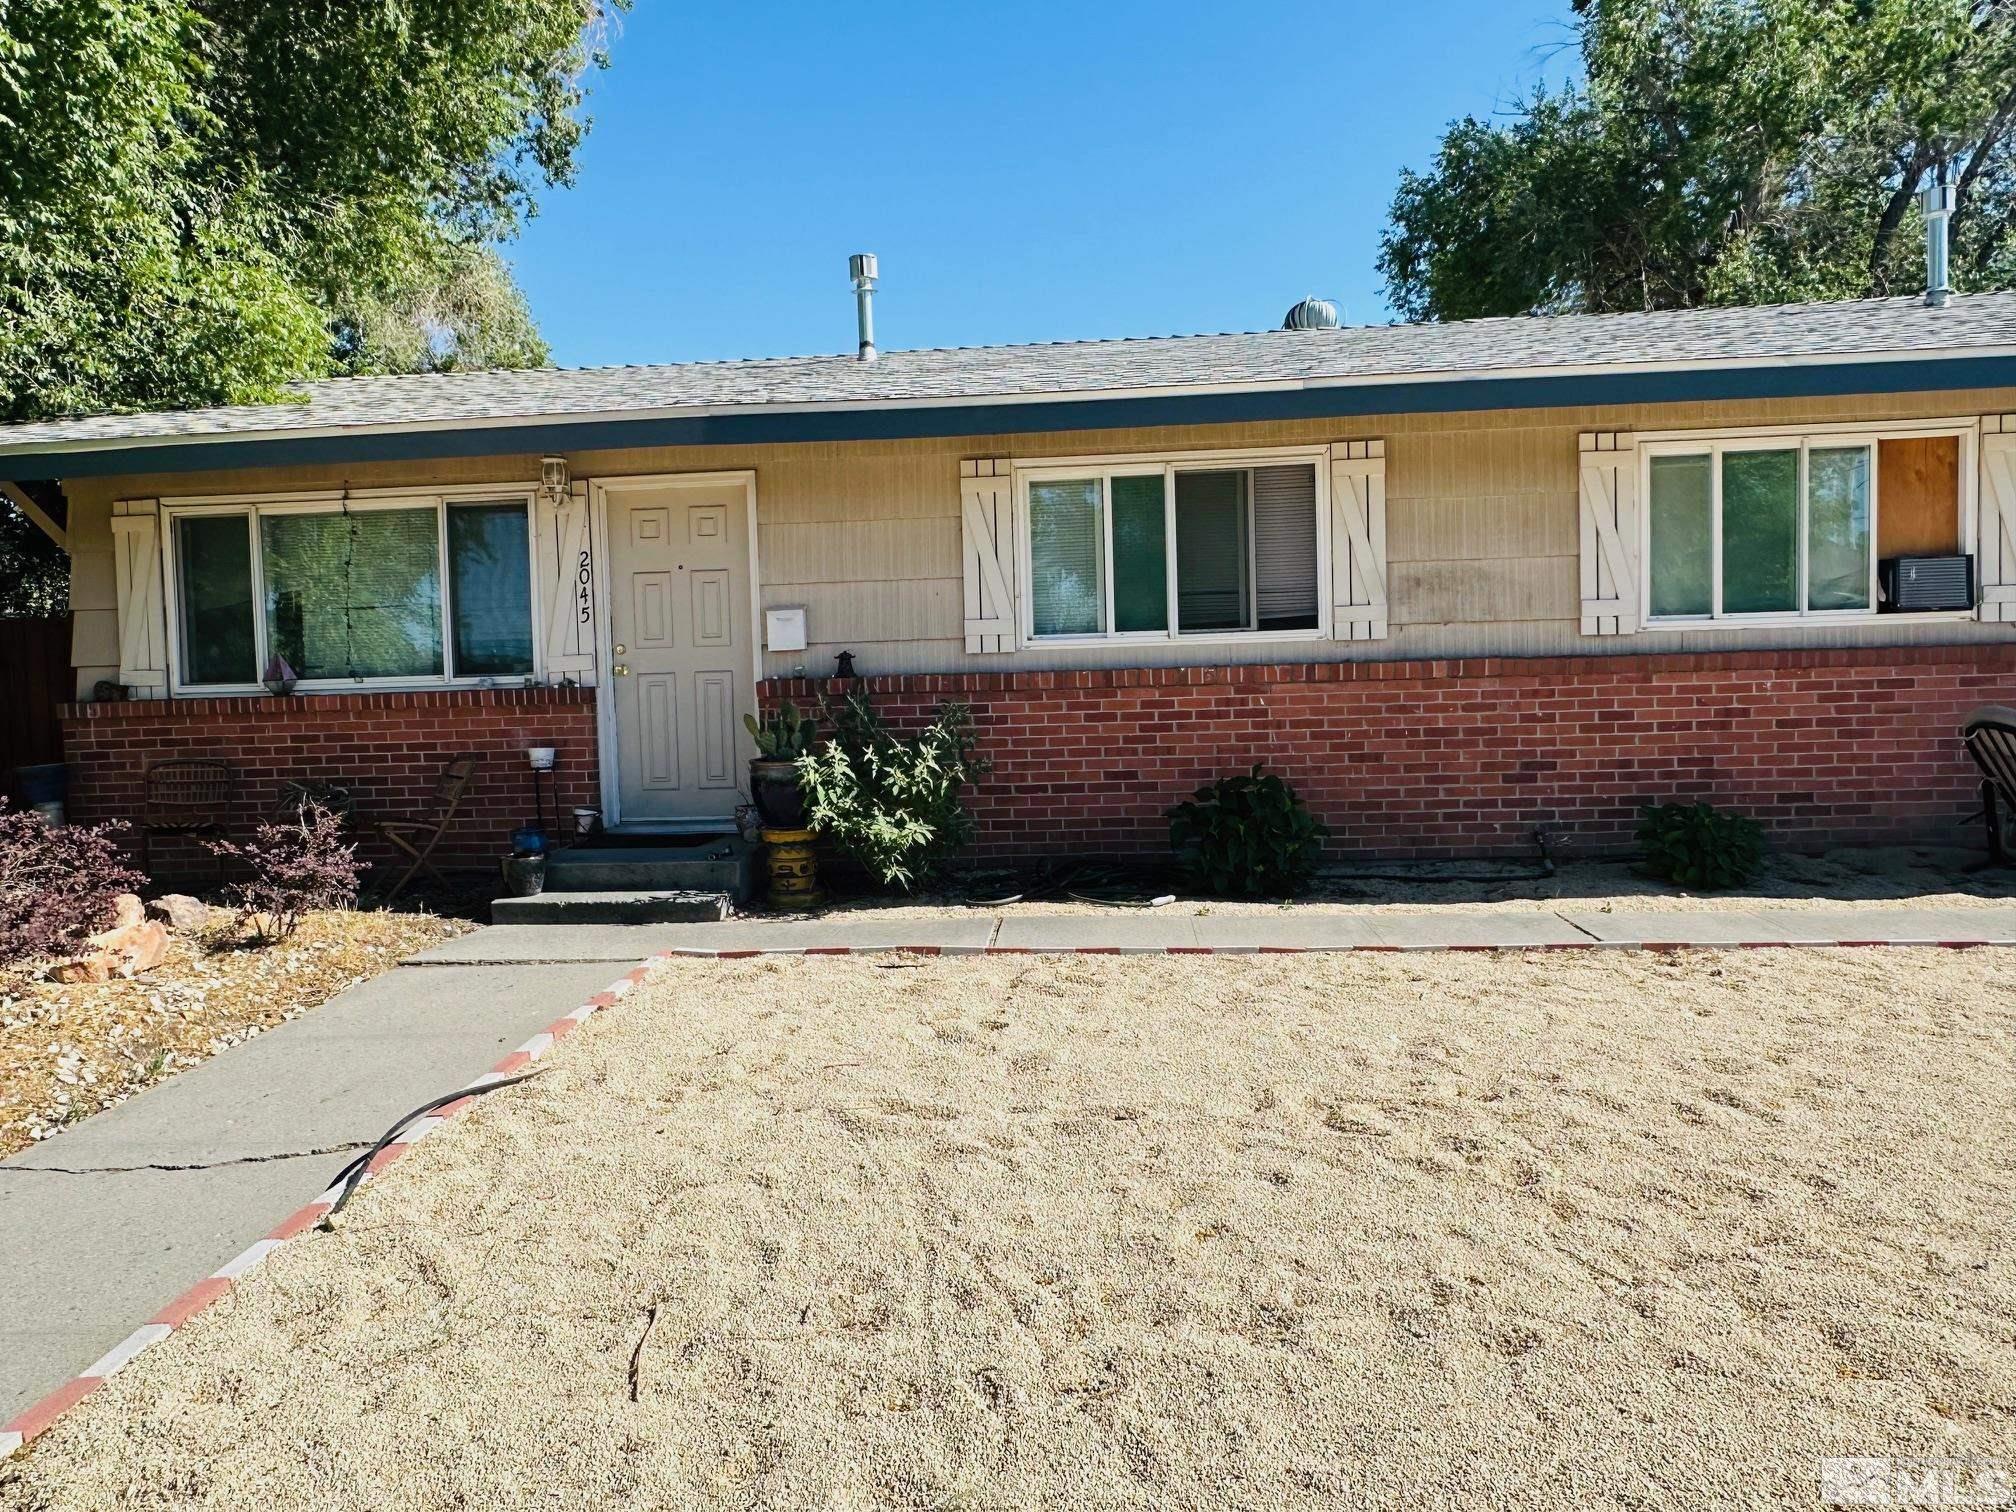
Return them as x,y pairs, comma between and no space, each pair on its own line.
682,662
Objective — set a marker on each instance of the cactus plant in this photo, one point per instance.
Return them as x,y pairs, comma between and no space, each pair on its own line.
783,734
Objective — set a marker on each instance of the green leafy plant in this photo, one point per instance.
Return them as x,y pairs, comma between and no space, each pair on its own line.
893,802
1699,845
783,734
1249,835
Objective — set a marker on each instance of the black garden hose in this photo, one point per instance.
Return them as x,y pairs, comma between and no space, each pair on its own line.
352,1175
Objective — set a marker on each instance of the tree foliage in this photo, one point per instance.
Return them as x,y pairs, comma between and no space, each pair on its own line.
201,200
1723,152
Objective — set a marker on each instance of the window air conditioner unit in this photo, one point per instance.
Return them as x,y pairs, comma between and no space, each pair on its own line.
1925,582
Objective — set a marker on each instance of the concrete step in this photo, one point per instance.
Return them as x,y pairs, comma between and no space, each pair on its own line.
725,864
631,906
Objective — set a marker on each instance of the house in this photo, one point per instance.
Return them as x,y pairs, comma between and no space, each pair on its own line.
1455,581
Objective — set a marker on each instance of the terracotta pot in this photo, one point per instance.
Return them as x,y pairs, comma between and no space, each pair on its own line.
774,787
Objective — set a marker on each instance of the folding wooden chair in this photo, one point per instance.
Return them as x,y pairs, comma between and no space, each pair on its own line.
187,796
418,837
1990,738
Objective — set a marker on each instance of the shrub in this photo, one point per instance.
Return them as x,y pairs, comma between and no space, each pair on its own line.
57,882
297,865
893,802
1699,845
1248,835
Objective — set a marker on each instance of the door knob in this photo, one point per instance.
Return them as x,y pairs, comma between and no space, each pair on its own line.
619,670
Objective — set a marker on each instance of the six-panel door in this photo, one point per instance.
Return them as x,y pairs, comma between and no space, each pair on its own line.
681,658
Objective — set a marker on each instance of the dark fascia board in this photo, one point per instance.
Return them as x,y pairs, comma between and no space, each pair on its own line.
549,435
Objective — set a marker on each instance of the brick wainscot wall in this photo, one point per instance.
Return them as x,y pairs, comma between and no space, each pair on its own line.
1453,758
387,748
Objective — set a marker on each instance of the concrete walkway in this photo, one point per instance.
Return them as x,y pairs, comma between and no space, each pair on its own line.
103,1225
1182,928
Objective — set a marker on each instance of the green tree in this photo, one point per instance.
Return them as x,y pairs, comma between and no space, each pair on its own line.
203,200
1723,152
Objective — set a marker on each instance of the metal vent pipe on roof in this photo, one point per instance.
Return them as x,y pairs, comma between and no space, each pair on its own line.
1938,211
861,269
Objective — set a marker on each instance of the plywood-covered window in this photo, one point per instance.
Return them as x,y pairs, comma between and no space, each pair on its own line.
1918,480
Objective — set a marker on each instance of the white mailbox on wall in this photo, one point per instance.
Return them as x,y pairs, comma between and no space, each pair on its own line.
784,629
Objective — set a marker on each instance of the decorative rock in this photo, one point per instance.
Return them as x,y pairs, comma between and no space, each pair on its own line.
134,943
126,913
180,912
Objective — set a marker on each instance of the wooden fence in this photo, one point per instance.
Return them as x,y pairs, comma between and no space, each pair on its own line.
34,678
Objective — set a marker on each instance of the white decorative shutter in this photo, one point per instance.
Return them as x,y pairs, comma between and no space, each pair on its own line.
567,585
1358,540
987,526
143,628
1995,537
1609,533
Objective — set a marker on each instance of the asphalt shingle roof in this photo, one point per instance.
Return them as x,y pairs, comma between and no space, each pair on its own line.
1976,324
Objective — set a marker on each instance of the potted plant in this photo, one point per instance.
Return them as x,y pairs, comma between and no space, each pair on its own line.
782,736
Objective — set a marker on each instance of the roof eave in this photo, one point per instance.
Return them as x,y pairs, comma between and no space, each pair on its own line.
862,420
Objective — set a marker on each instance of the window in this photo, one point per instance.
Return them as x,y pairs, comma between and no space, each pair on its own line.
1161,550
408,590
1791,526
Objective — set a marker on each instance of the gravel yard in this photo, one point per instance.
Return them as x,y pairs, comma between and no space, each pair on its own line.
70,1050
1626,1229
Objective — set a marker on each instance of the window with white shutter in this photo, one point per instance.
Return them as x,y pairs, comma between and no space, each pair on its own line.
1358,540
987,550
1219,545
1609,493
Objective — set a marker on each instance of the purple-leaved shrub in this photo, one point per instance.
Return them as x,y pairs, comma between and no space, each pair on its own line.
297,865
57,883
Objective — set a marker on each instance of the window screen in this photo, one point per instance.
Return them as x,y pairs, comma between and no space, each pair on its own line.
1683,535
489,590
213,571
1760,531
1140,555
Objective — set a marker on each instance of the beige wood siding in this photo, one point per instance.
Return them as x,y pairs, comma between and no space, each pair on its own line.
1482,532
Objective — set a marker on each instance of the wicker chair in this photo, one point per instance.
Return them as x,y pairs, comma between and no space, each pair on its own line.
1990,738
190,796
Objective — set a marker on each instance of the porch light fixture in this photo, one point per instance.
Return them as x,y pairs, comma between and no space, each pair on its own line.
553,479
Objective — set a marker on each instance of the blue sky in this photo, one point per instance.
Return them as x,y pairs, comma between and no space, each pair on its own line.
1028,172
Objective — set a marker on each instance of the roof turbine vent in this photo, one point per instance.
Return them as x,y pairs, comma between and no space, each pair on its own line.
1312,314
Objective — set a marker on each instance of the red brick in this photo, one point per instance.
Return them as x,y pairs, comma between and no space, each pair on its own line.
1442,758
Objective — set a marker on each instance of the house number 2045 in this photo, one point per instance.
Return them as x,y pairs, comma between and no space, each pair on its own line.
583,599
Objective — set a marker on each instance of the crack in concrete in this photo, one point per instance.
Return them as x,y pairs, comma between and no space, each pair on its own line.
200,1165
1577,927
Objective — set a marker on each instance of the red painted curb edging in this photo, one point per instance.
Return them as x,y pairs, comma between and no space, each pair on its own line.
32,1423
700,953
